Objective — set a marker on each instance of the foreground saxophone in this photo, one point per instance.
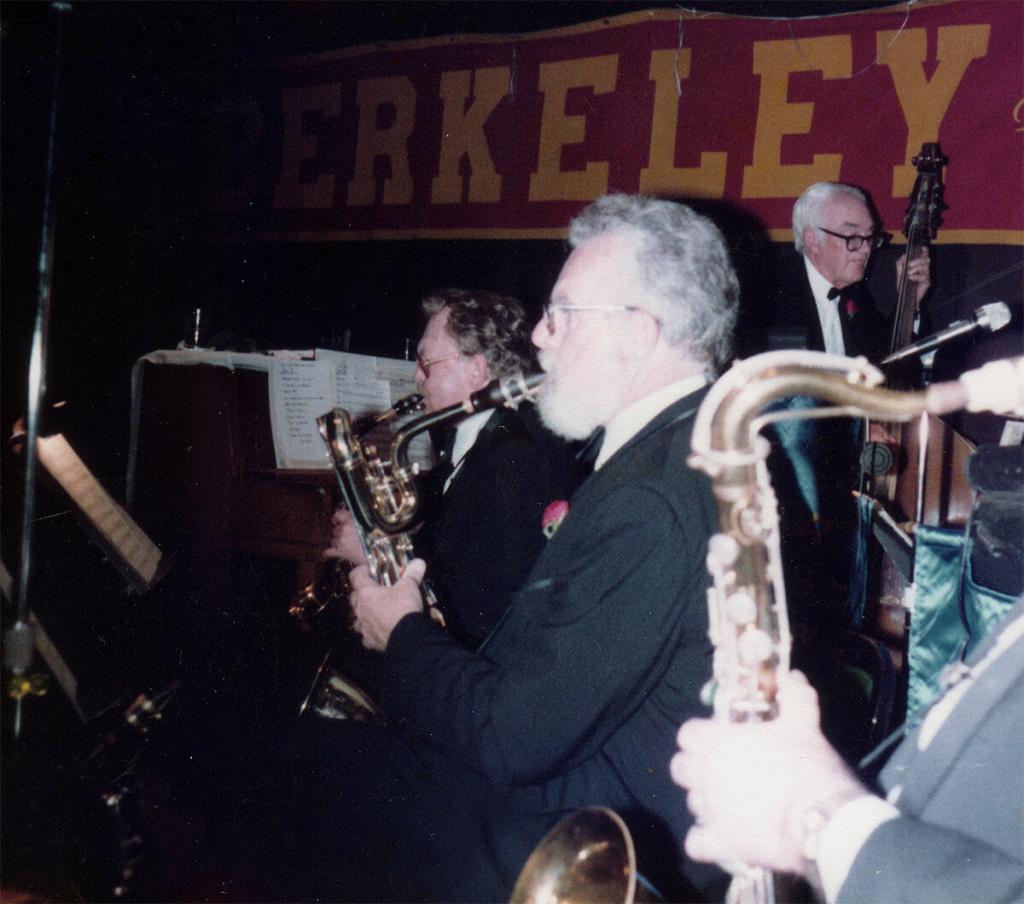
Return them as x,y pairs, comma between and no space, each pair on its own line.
748,624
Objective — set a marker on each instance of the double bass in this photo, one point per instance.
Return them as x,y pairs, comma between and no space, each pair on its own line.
883,460
913,473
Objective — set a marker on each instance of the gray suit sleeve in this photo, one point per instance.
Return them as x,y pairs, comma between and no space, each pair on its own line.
909,860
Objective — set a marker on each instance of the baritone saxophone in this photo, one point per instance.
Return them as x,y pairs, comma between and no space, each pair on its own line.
382,496
748,622
589,855
383,499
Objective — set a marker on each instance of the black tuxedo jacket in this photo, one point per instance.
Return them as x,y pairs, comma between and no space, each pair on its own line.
864,329
576,697
784,316
481,537
960,837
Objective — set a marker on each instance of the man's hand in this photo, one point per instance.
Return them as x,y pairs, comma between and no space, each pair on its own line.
345,542
919,274
751,784
378,609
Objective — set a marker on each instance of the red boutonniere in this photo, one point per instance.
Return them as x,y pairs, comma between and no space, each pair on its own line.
553,516
851,308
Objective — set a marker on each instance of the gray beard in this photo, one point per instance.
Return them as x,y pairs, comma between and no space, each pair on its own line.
573,413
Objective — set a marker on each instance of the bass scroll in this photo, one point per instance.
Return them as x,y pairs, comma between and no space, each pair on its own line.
747,606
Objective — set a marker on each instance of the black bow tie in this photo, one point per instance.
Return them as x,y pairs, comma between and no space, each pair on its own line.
591,447
854,290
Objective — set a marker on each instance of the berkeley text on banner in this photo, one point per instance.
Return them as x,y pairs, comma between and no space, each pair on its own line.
509,136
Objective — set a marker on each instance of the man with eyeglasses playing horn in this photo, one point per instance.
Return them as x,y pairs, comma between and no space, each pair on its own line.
575,697
497,472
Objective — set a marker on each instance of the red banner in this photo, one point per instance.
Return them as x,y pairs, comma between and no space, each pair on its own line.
509,136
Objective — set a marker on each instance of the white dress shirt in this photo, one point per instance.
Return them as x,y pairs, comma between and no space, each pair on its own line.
630,421
465,436
828,311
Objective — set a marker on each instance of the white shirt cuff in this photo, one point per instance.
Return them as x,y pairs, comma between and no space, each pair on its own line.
844,835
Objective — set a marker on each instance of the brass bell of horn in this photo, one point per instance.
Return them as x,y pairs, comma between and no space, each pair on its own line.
587,857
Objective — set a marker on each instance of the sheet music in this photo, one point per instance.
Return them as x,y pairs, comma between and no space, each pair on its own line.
302,386
357,388
131,545
399,375
302,391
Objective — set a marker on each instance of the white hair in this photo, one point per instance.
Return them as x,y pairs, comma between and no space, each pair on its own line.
807,210
691,287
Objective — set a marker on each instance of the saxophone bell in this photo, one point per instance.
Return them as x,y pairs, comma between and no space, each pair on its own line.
588,856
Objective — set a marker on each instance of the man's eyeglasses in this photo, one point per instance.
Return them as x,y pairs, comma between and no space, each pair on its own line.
549,310
425,365
856,242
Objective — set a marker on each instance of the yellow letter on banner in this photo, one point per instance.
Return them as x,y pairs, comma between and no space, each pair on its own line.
390,141
663,176
550,182
298,146
776,117
925,101
463,133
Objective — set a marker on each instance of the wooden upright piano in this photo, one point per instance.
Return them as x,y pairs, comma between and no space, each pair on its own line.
202,479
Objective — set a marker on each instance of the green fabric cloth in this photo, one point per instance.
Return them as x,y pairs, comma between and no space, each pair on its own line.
951,613
937,630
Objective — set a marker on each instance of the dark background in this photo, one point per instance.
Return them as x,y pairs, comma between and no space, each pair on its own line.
130,265
130,261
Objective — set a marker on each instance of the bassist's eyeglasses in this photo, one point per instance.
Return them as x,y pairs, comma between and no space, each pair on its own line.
856,242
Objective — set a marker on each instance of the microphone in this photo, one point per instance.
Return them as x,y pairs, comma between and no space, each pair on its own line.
989,317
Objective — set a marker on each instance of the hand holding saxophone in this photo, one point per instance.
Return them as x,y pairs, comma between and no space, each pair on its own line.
345,541
377,608
753,785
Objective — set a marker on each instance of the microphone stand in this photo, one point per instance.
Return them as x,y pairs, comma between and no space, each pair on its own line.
19,639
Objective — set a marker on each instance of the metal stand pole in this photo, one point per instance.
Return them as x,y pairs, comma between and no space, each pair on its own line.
19,640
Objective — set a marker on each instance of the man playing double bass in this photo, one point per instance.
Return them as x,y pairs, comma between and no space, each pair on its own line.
836,232
816,465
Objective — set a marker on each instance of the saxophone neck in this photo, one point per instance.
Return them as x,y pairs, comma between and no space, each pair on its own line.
400,464
505,392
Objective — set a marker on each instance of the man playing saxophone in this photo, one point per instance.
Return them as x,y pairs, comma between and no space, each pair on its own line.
767,789
570,701
497,470
575,697
776,795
